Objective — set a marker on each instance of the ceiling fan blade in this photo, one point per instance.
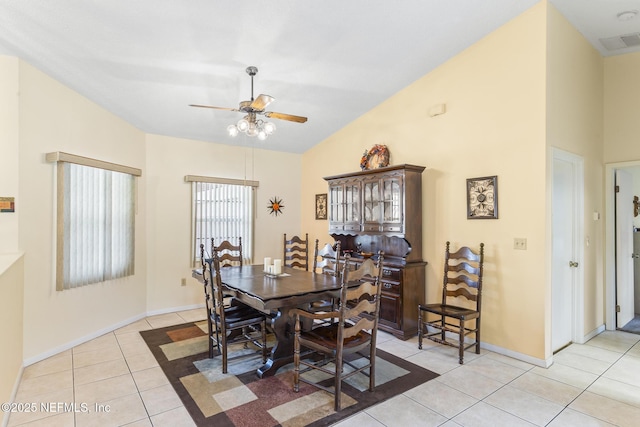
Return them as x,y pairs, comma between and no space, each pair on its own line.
282,116
215,108
261,102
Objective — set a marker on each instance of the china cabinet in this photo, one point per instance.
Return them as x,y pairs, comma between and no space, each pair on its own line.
381,209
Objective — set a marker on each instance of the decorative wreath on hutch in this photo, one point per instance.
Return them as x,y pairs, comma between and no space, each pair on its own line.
376,157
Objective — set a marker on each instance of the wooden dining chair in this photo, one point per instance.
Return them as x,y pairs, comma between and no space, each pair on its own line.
230,254
296,252
354,332
325,261
448,322
229,325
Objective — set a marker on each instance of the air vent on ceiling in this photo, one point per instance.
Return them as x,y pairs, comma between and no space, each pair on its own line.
621,42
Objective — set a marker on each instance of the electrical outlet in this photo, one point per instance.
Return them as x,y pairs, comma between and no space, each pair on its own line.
520,243
183,282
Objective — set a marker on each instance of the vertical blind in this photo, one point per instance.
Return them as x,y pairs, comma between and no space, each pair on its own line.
95,220
98,228
223,211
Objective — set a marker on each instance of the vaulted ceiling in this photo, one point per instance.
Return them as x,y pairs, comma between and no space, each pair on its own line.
330,61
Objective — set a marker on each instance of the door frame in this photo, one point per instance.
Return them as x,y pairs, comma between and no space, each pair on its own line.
610,241
577,329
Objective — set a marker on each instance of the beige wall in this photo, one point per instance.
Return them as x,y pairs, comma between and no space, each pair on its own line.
169,214
575,124
509,98
621,108
55,118
11,258
11,315
9,145
494,125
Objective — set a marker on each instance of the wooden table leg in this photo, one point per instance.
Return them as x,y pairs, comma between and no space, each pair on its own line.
282,352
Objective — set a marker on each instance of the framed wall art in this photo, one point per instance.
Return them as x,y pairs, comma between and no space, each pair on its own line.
482,197
321,206
7,204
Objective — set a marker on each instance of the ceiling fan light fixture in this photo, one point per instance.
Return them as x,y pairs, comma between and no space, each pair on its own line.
269,128
250,124
232,130
243,125
252,130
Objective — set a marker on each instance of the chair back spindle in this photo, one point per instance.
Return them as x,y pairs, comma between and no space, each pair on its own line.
326,260
230,255
296,252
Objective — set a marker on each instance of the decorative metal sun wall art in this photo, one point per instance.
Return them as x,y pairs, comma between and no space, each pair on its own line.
275,206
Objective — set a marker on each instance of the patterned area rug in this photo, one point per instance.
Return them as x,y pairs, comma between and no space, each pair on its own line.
240,398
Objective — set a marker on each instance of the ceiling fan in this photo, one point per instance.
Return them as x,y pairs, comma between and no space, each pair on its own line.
251,124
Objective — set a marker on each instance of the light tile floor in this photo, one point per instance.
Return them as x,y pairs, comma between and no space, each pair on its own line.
114,380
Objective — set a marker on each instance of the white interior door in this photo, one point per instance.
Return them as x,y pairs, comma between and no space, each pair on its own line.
563,253
624,247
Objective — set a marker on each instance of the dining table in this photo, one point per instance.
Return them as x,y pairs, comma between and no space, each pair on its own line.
276,296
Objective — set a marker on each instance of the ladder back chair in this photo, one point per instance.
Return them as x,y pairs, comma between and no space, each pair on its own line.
452,316
325,261
230,254
354,332
296,252
229,325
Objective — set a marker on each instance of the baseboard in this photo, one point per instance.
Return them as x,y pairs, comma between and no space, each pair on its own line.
544,363
593,333
82,340
173,309
111,328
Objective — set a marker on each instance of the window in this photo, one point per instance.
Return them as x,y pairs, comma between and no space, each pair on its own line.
95,221
222,209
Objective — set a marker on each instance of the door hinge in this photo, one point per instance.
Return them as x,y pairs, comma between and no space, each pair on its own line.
617,309
617,188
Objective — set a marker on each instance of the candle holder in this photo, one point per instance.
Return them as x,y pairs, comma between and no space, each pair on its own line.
276,276
274,269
